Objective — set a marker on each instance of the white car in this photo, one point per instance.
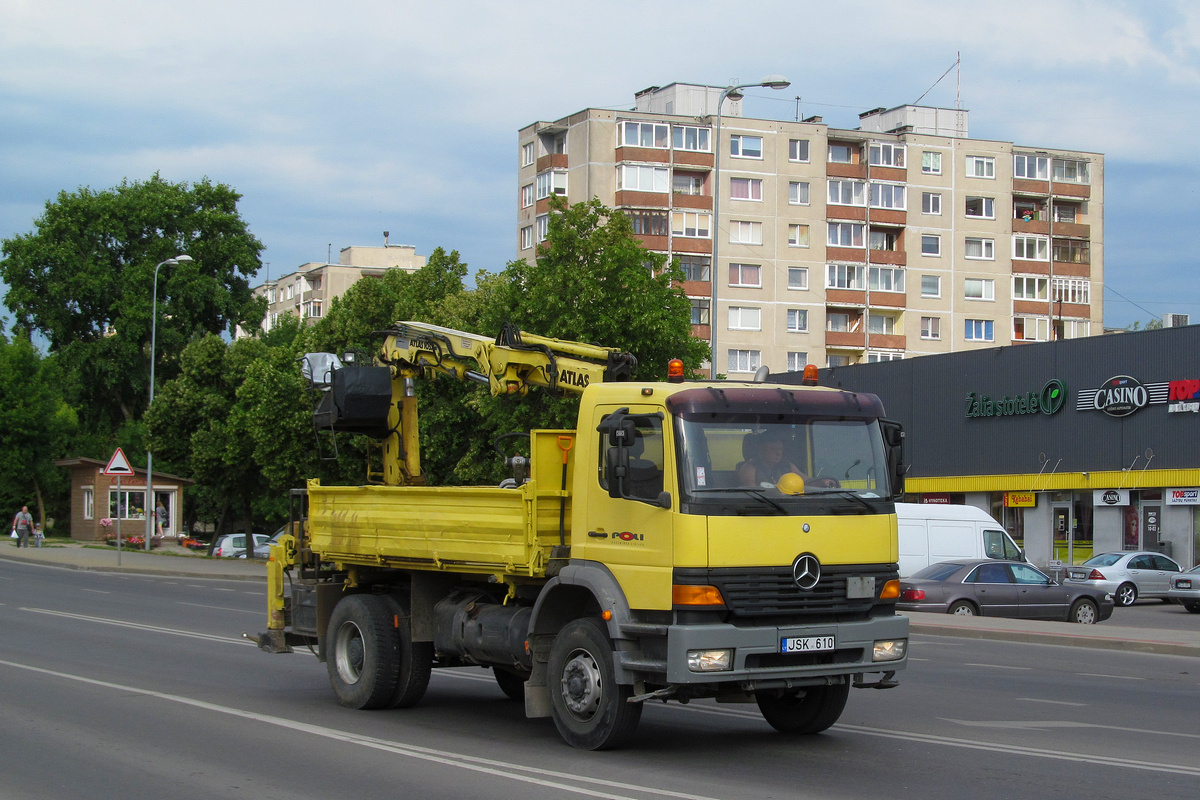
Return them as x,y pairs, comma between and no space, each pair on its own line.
1185,589
1127,576
233,545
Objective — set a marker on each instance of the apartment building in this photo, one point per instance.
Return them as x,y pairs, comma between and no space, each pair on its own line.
899,238
306,293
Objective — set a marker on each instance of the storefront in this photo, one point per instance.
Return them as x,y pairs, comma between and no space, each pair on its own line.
1077,446
96,497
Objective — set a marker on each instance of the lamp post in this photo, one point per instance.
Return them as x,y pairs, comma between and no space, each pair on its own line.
769,82
150,505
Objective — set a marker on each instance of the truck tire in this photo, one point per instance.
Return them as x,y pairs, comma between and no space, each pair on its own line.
362,652
512,684
588,707
415,660
814,711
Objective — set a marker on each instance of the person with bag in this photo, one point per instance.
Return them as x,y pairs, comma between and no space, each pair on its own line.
23,526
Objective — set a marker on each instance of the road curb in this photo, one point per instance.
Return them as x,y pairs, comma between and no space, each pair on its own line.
1062,639
207,572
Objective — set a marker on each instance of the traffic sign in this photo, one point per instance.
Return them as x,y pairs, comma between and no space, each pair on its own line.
118,465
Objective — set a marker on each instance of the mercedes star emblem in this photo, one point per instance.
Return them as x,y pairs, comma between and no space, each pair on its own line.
806,571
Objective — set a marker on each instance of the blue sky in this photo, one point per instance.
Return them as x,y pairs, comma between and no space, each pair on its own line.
339,121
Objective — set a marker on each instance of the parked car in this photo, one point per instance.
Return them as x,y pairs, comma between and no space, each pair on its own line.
991,588
233,545
1184,589
1127,575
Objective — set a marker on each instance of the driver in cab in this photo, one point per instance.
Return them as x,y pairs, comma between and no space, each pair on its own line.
765,464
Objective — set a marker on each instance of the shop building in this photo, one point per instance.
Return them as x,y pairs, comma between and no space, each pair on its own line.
98,500
1077,446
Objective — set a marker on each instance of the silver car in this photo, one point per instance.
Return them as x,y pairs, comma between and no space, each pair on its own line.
1127,576
1185,589
233,545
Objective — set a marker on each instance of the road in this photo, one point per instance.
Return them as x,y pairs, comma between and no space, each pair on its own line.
119,686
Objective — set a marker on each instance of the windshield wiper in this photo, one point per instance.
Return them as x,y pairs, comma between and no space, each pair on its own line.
758,493
847,493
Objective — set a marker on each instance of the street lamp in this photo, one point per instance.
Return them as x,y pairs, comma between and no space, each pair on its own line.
769,82
150,505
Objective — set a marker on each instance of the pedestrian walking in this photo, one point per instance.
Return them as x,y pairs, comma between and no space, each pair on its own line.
160,518
23,525
37,534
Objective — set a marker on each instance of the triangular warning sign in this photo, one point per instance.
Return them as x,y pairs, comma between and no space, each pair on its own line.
118,465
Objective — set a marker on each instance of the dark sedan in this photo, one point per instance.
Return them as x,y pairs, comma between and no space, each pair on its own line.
993,588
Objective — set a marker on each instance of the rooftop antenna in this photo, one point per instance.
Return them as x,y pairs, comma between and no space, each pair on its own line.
797,108
329,253
385,238
958,99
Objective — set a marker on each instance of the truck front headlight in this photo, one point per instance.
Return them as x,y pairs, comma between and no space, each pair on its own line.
710,660
889,649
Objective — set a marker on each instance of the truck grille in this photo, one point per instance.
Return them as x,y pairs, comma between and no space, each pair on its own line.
770,591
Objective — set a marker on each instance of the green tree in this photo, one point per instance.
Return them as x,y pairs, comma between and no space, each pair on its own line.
84,280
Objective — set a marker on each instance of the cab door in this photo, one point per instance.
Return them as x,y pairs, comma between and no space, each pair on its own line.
632,537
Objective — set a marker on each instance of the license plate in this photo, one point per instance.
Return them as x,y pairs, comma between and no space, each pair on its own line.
1184,583
1076,575
806,644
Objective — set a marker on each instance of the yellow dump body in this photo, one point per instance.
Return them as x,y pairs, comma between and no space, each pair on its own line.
481,529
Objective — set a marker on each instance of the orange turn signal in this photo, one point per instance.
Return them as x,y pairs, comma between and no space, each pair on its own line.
891,590
696,596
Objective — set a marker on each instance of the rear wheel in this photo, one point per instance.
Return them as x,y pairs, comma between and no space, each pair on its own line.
963,609
1084,612
1192,607
589,709
362,652
809,711
1125,595
415,659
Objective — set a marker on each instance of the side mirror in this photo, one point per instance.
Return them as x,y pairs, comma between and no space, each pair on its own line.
893,438
616,470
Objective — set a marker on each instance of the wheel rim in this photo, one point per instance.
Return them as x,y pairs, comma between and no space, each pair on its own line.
964,611
1127,595
582,685
349,653
1085,614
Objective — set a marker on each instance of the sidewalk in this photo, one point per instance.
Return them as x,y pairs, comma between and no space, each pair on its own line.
168,560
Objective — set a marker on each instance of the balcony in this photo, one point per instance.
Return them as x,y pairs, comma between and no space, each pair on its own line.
852,213
886,341
1076,230
888,216
641,154
693,159
897,174
700,201
626,198
894,257
857,255
853,339
836,170
1033,187
1081,190
1031,226
552,161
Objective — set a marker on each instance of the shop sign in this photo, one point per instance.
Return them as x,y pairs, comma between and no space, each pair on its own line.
936,498
1121,395
1183,396
1110,497
1183,497
1020,500
1049,400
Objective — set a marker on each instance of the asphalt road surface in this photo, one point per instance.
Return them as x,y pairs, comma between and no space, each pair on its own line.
118,686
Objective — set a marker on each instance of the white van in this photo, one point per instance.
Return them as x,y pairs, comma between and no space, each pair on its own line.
933,533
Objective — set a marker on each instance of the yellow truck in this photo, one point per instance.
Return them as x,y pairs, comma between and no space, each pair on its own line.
687,540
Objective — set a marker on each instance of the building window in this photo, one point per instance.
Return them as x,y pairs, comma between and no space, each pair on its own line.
1029,288
527,154
699,311
845,276
841,154
1072,251
686,137
644,134
291,291
747,275
271,296
931,163
1072,290
131,504
690,224
1073,328
745,146
837,361
797,235
883,239
881,323
1066,212
797,320
931,203
931,286
798,278
313,309
646,222
527,195
554,182
745,189
798,193
886,279
643,179
931,328
875,358
542,224
744,360
798,150
845,234
886,155
1031,329
837,322
1070,171
847,193
695,268
931,244
981,167
742,318
690,183
796,362
1031,167
89,503
527,237
980,289
1031,248
980,248
979,330
888,195
981,207
742,232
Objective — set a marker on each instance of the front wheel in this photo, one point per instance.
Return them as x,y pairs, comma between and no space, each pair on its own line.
1084,612
1193,608
589,709
811,711
1126,594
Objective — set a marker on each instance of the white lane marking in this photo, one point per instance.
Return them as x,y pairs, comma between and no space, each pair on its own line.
1053,702
139,626
1037,724
1118,677
95,591
219,589
502,769
999,666
223,608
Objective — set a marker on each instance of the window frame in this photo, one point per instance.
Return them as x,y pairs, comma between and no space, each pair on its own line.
745,228
1041,167
527,198
856,231
892,148
879,192
655,175
987,207
680,132
839,147
896,275
743,275
752,186
937,279
682,230
737,147
624,125
794,146
934,238
797,360
527,154
753,361
690,262
800,316
1021,286
986,246
929,200
794,193
526,237
988,163
931,329
987,289
985,327
846,276
801,272
1041,328
794,234
857,192
1021,241
931,162
744,318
